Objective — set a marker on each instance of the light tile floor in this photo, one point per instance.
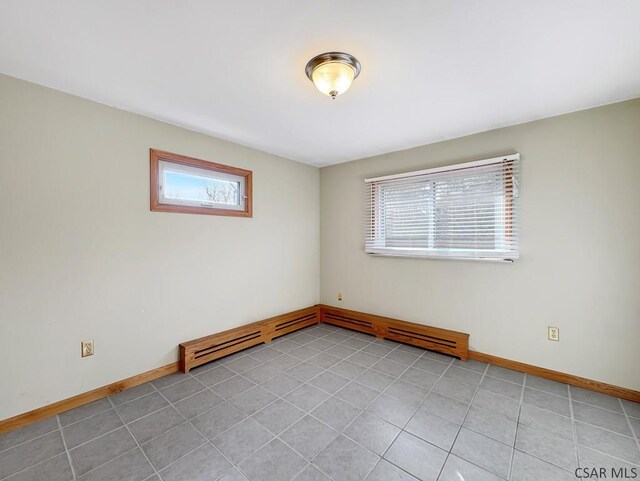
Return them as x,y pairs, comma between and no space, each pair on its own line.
327,404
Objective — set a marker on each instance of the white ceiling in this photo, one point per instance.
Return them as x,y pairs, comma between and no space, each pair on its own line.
431,69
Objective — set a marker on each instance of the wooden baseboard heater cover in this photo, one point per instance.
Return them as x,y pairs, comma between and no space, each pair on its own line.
445,341
206,349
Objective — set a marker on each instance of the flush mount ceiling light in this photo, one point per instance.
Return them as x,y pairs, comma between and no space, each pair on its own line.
333,72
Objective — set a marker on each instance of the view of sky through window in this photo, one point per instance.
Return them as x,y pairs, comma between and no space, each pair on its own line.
182,186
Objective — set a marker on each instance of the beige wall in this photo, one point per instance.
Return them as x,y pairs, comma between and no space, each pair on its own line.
580,248
81,255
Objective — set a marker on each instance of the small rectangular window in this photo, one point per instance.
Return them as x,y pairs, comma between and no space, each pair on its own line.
193,186
467,211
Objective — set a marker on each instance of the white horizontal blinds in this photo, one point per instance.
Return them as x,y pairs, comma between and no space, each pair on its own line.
466,211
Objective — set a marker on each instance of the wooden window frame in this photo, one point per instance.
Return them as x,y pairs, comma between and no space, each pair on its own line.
156,156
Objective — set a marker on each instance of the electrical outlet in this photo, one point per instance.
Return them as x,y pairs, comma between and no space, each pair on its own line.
554,333
87,348
339,296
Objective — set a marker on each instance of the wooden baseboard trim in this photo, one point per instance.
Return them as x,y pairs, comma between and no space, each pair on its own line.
449,342
24,419
597,386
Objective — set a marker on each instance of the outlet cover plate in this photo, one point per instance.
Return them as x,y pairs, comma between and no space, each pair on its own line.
554,333
87,348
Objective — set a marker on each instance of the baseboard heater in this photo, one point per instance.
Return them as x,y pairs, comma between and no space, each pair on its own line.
206,349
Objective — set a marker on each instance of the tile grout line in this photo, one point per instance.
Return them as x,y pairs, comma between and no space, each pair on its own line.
455,439
573,428
515,437
134,438
207,440
626,415
66,449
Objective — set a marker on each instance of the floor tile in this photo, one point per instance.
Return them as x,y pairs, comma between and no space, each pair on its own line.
408,392
601,418
131,466
464,375
197,404
285,345
635,425
308,437
304,352
281,384
101,450
453,389
357,394
430,365
278,416
169,379
141,407
375,380
457,469
543,400
215,376
363,359
377,349
403,357
56,468
266,354
445,407
27,454
347,369
243,364
336,413
306,397
355,344
242,440
631,408
324,360
83,412
420,377
390,367
438,356
372,433
592,458
283,362
148,427
329,382
391,409
506,374
491,425
385,471
547,385
471,365
321,344
131,394
484,452
234,475
217,420
506,407
546,420
28,432
504,388
261,373
179,391
419,458
252,400
232,387
90,428
528,468
172,445
311,473
203,464
434,429
595,399
274,462
305,371
344,460
341,351
608,442
547,446
338,337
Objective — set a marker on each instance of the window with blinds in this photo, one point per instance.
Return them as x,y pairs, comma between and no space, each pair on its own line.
466,211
